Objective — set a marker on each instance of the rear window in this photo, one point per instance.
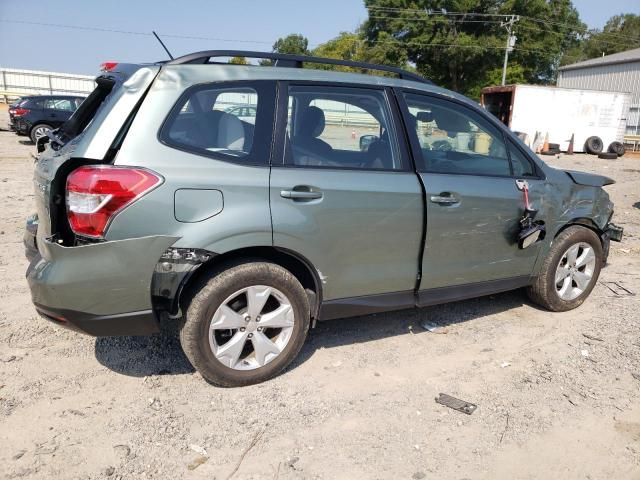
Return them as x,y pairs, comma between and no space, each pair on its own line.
32,103
227,121
87,107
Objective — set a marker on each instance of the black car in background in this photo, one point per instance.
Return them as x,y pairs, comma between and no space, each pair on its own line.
36,115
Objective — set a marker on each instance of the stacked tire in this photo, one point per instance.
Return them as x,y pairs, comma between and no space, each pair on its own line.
594,146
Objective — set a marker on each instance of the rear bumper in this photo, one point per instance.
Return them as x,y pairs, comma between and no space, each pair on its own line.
132,323
21,127
101,289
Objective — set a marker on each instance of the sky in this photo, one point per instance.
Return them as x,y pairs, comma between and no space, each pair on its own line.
229,24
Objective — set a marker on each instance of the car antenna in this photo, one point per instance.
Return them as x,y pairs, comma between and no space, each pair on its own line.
163,45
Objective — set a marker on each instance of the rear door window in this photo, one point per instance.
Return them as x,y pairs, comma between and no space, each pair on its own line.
340,127
208,120
33,103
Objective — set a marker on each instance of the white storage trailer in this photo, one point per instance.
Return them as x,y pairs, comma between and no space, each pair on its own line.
560,113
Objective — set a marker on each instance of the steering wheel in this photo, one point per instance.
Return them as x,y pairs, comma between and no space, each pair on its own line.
442,146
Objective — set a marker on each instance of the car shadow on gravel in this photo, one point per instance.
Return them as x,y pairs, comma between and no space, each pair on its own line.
161,354
369,328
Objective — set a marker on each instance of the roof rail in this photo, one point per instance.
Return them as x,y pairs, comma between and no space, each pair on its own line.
291,61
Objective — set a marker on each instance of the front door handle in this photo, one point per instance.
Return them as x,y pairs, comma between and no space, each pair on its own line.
445,198
300,194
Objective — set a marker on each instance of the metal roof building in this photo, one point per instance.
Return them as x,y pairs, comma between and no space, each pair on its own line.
619,72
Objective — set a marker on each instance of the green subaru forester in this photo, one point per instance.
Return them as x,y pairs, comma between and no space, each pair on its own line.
248,202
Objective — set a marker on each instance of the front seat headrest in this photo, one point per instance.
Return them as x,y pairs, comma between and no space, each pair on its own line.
313,122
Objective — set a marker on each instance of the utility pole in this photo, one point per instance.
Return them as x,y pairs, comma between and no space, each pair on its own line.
511,41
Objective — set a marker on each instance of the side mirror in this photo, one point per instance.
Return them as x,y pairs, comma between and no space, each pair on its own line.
531,231
366,141
530,235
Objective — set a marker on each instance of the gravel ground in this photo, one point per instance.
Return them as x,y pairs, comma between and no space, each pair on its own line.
556,392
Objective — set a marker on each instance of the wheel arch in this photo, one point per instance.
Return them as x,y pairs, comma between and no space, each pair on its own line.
298,265
581,222
588,223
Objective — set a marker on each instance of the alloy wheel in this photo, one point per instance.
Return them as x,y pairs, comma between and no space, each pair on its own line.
251,327
40,132
574,273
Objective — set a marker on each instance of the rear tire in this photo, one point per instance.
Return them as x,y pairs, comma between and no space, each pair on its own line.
215,316
593,145
39,130
564,281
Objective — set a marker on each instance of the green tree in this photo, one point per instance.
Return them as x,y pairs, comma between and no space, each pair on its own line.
294,43
238,61
620,33
460,44
353,47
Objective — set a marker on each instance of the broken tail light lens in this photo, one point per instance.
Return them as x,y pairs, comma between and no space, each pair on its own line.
96,194
19,112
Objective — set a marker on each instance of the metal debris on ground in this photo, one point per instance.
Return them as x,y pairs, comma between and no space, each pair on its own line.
618,290
456,403
433,327
428,326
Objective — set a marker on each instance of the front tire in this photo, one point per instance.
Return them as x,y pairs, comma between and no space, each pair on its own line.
570,270
245,324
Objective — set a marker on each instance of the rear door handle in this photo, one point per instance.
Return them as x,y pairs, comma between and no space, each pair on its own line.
445,198
300,194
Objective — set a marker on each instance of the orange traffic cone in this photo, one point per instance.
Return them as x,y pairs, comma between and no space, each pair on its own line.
570,149
545,145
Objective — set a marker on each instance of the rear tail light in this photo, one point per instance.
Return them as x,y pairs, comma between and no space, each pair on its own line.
19,112
96,194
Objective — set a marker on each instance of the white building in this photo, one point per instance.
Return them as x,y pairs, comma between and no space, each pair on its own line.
619,72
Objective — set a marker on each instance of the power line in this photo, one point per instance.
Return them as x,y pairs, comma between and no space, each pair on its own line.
456,45
503,15
194,37
551,32
422,20
130,32
530,28
433,12
261,42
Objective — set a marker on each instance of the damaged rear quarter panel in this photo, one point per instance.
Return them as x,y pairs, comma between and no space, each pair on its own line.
102,278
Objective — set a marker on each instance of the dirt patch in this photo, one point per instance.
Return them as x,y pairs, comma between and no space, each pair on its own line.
556,392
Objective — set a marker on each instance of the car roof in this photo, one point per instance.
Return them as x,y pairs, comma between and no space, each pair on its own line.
50,96
192,74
